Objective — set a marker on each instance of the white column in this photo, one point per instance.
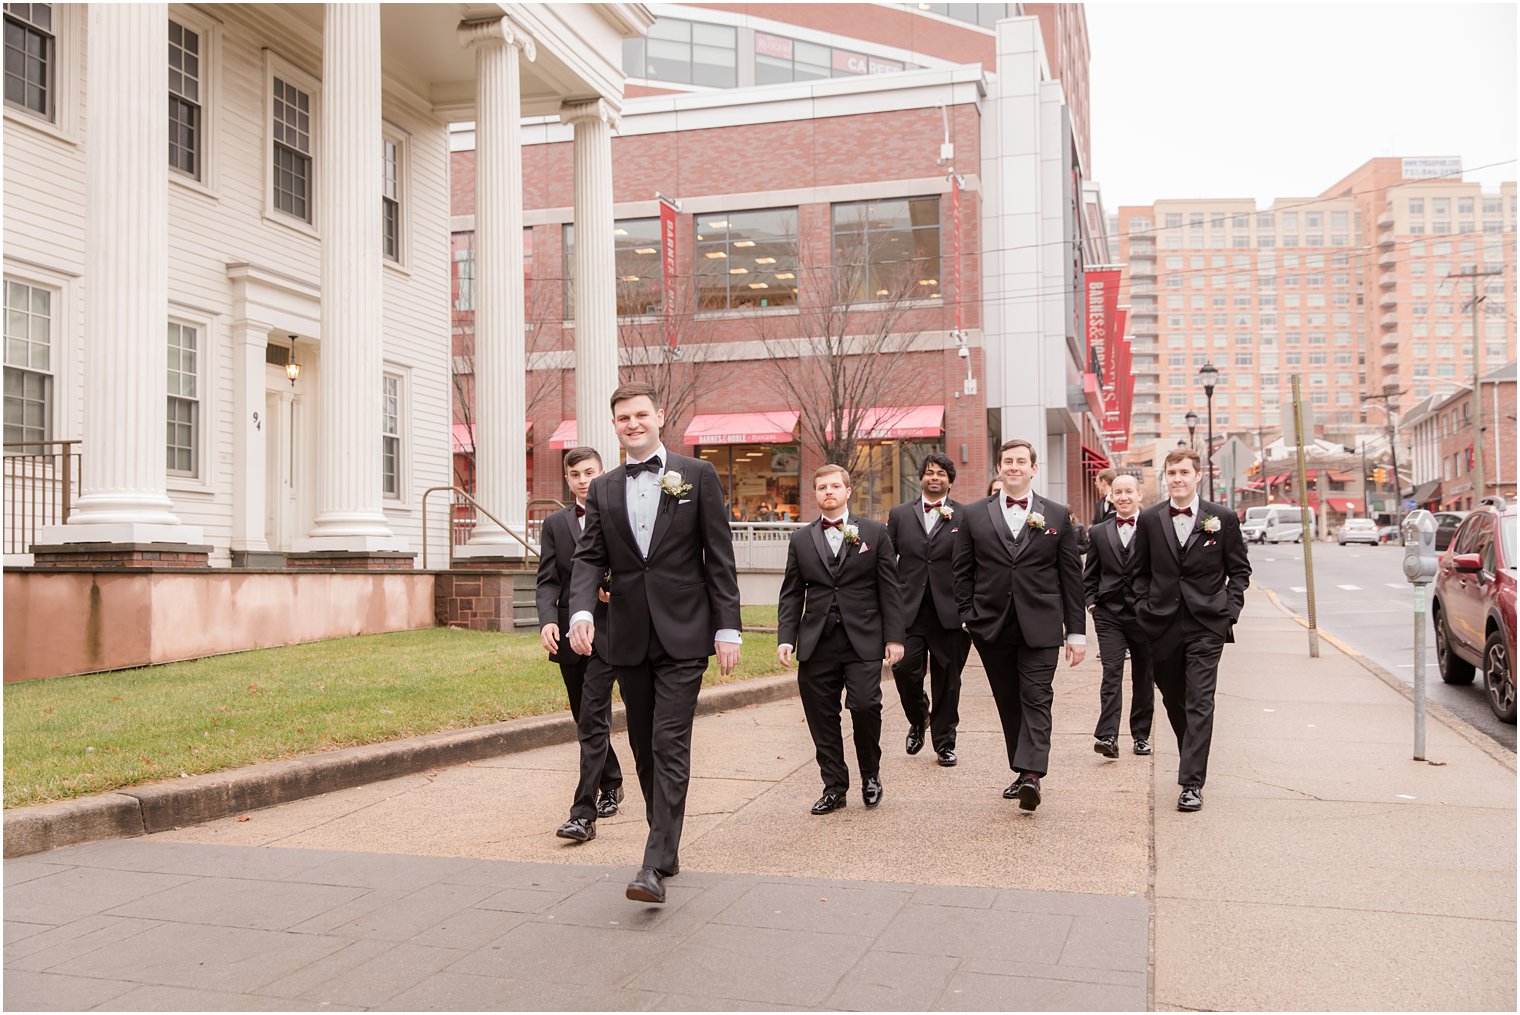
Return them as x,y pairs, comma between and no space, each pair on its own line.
123,498
501,465
250,436
349,497
596,348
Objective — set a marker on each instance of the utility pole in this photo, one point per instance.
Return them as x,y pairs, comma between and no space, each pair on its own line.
1390,409
1473,273
1303,514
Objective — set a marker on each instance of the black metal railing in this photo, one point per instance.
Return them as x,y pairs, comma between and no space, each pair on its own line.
41,484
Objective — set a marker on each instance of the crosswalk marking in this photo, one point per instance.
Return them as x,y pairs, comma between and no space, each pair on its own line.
1350,588
1397,585
1295,588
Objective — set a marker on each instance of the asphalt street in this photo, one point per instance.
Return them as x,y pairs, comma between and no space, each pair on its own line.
1361,598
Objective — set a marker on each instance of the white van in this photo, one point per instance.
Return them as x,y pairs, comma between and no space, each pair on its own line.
1253,528
1284,523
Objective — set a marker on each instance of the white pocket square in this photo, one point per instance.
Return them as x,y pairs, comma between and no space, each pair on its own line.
686,501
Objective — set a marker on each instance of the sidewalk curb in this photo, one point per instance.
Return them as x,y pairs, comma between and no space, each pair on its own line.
142,810
1439,712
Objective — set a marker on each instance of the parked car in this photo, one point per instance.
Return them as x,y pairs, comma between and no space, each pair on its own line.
1253,527
1359,530
1285,524
1390,534
1446,527
1473,604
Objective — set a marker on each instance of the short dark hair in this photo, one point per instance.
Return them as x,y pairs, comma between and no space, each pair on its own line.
1106,476
935,458
576,456
1178,454
992,485
634,389
1018,442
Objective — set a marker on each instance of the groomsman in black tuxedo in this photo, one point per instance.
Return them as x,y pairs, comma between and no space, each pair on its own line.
841,614
923,533
1109,579
660,525
1190,586
1104,482
1018,589
587,678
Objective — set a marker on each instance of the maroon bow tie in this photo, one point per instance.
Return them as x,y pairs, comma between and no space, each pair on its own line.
1181,511
580,511
933,507
1125,521
826,524
1022,502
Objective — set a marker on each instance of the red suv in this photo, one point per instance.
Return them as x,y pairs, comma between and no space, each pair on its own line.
1474,604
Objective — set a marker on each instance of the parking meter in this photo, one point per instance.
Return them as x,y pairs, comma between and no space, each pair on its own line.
1420,547
1420,568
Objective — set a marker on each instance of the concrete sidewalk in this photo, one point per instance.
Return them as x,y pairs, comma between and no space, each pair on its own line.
1327,870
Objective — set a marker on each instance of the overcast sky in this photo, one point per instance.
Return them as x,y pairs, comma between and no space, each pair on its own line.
1282,100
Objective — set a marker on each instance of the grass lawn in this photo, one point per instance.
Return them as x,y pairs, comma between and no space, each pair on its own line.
72,736
757,616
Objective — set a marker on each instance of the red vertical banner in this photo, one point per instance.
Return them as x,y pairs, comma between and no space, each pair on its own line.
955,247
1102,304
668,263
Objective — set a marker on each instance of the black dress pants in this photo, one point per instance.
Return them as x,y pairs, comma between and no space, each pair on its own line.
1023,686
1118,632
831,669
589,684
943,653
1185,665
660,695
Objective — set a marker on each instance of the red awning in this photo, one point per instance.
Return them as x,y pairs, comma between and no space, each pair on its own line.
1094,460
564,435
464,444
742,428
1344,505
897,422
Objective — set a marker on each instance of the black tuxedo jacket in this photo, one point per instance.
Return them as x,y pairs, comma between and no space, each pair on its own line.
924,560
1206,576
1104,511
863,582
1109,576
556,554
1034,581
687,589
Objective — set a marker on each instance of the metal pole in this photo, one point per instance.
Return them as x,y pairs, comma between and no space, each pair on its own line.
1419,672
1209,400
1366,507
1304,516
1477,397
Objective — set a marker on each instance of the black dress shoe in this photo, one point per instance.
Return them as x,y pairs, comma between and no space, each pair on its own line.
1142,746
915,738
1190,799
647,887
1012,792
1107,746
829,802
870,792
947,757
607,804
579,829
1029,793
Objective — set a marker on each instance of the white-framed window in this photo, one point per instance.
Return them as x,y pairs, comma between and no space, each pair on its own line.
392,458
291,133
30,312
187,98
31,60
395,238
183,431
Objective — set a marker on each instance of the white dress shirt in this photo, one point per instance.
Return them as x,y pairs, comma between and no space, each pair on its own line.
931,518
1126,532
643,491
1183,524
835,536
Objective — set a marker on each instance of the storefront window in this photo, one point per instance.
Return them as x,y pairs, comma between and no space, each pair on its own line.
887,475
896,242
684,51
640,270
747,259
761,481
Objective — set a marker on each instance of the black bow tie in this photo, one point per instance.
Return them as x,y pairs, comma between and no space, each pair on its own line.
1182,511
634,468
1125,521
580,511
1022,502
838,524
933,507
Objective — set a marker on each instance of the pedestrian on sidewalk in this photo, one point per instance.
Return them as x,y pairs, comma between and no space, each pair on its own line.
659,525
587,678
1018,590
1190,586
1109,581
923,534
841,613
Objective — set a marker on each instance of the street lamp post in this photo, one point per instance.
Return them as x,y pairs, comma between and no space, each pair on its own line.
1191,419
1209,375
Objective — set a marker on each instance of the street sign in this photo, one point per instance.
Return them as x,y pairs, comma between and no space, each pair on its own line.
1410,505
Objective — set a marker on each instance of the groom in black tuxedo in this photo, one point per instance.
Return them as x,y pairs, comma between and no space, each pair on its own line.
659,524
1018,588
1190,586
841,612
923,533
1109,577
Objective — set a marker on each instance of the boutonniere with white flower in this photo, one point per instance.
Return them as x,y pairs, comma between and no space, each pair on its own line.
671,483
1211,523
1036,521
851,533
944,511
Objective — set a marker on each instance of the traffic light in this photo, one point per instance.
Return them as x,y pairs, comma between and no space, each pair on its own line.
1380,475
1255,470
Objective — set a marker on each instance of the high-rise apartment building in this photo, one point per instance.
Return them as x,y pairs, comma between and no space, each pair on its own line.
1351,289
